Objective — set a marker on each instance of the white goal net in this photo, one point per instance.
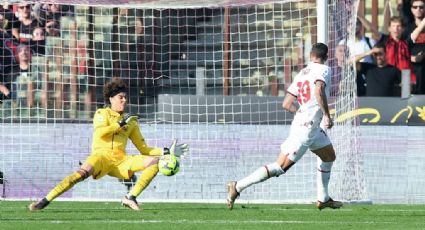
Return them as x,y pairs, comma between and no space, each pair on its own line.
209,73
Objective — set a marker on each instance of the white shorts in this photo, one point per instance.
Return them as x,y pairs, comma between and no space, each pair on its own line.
302,138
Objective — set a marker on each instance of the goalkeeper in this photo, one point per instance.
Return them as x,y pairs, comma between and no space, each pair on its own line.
112,129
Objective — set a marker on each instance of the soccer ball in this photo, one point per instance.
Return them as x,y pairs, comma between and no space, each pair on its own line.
168,165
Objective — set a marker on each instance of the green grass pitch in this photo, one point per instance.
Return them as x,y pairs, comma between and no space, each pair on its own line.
110,215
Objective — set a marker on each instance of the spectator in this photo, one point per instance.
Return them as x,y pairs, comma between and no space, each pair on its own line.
340,60
360,45
8,18
4,92
403,8
22,86
339,54
382,79
396,48
6,62
38,41
52,28
4,86
2,22
23,28
51,11
415,35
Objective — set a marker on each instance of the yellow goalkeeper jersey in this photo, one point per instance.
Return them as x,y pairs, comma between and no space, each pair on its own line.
111,139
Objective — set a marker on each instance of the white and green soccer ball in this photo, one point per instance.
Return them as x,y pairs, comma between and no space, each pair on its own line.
169,165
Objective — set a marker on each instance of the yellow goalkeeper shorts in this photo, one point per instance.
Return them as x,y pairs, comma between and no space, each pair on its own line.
122,169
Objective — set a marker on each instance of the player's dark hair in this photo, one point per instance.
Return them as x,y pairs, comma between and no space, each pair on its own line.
113,88
320,50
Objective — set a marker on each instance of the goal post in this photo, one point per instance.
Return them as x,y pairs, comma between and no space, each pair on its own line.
209,73
349,181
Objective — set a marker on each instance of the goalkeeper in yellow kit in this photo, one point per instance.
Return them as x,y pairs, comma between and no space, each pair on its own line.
112,129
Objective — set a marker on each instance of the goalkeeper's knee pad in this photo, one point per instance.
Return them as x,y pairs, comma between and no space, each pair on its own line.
274,169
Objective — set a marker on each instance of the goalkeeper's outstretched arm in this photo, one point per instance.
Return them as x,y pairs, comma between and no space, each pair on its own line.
138,140
179,150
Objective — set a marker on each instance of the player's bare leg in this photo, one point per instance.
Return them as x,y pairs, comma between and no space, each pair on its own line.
232,194
284,162
234,188
327,157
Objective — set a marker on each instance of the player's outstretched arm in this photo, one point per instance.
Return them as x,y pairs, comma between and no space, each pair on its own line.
179,150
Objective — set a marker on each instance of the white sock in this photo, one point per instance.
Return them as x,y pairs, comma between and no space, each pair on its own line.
261,174
323,176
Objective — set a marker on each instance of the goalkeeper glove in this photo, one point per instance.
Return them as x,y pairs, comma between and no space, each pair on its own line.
127,119
179,150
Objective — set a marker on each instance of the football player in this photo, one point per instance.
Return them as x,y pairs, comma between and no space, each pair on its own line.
112,129
311,89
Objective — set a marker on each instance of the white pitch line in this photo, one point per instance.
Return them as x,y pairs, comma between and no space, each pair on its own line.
218,222
344,209
298,209
401,210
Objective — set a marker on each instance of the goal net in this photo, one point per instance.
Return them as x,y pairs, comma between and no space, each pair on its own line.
209,73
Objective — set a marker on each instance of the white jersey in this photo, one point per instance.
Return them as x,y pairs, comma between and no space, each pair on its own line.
303,87
357,47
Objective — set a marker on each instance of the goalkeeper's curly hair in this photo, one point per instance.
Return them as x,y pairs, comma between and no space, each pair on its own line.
113,88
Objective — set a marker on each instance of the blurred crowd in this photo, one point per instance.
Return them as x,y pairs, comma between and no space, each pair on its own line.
381,59
24,28
384,58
